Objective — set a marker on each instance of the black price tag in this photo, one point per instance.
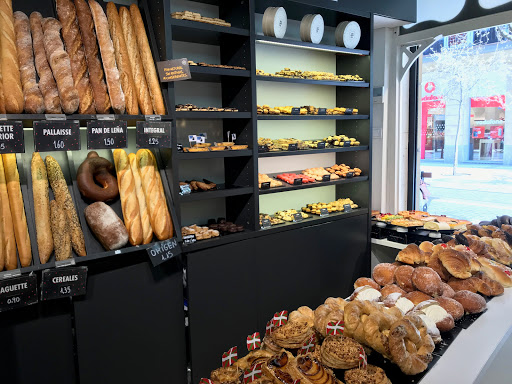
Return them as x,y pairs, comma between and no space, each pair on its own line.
347,208
265,224
262,148
349,111
189,239
153,134
18,292
12,139
173,70
297,181
163,251
321,145
347,143
295,111
63,282
179,147
324,212
297,217
293,147
106,134
350,175
322,111
326,178
56,135
265,185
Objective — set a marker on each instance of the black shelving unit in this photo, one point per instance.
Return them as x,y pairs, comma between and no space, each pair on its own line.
313,151
288,187
313,117
331,83
289,43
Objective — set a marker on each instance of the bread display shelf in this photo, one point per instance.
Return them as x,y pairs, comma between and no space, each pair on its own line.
313,117
218,193
29,119
214,155
212,74
287,187
202,33
304,45
212,115
314,151
355,84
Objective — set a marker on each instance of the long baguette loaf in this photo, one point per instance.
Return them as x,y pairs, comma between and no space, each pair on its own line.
128,194
96,74
47,83
141,86
34,102
71,34
147,61
12,178
60,65
13,92
60,229
108,57
147,231
61,193
151,183
40,192
122,60
9,241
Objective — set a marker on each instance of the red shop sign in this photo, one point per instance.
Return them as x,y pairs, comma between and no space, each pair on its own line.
497,132
430,87
478,133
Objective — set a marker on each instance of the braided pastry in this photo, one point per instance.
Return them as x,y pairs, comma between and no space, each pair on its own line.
376,331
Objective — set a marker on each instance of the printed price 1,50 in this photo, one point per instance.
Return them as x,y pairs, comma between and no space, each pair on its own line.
109,141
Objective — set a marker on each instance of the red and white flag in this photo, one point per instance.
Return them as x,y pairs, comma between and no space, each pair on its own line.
229,357
205,381
270,327
308,346
280,318
363,362
296,381
253,341
335,327
253,373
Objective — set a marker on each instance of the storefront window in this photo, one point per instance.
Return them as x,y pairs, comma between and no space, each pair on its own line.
487,128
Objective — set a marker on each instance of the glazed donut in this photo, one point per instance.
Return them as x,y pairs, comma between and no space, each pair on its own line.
383,273
362,281
403,277
95,179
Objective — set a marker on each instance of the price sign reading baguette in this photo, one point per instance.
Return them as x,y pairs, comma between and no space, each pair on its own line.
18,292
106,134
153,134
12,139
50,136
63,282
173,70
163,251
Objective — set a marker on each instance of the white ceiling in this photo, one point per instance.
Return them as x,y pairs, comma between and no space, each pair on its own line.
386,22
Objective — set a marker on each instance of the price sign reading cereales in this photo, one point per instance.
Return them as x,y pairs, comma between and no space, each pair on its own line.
63,282
53,135
12,139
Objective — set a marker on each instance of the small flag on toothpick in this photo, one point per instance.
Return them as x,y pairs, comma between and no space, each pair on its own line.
270,327
229,357
280,318
253,341
253,374
363,362
308,346
335,328
205,381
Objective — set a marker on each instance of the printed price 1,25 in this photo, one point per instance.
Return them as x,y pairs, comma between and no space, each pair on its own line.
58,144
153,141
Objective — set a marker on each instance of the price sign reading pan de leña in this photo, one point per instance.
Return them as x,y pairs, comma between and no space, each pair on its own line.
173,70
11,137
153,134
52,136
106,134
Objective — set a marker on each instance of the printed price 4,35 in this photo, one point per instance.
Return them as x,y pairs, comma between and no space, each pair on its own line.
13,300
153,141
58,144
109,141
65,290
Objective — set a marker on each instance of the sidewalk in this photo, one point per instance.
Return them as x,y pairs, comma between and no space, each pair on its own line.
479,192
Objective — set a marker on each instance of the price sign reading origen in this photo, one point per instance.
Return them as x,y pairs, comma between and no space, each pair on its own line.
11,137
163,251
106,134
173,70
63,282
153,134
55,135
18,292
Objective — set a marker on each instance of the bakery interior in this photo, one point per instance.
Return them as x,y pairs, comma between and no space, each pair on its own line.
230,192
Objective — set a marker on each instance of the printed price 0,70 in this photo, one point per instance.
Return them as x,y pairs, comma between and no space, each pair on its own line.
13,300
65,290
109,141
153,141
58,144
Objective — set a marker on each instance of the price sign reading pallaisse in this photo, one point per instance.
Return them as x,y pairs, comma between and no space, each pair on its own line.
52,136
153,134
106,134
11,137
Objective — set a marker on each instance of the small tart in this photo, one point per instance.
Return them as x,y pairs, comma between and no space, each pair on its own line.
370,375
293,334
340,352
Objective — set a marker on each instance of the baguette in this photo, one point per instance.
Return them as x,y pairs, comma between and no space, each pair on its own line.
34,102
60,65
96,74
117,98
122,60
12,179
151,183
13,92
128,194
9,242
41,208
2,95
47,83
147,61
61,193
147,231
141,86
60,229
74,47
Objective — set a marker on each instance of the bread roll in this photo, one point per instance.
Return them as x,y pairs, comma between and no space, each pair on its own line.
403,278
147,60
12,179
34,102
141,86
41,207
60,229
117,98
129,202
47,83
106,225
71,34
63,198
8,239
427,281
383,273
147,231
122,60
96,74
60,65
13,92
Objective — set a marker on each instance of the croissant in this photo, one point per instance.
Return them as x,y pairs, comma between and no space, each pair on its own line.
412,254
331,310
436,265
455,262
496,288
303,314
476,245
496,271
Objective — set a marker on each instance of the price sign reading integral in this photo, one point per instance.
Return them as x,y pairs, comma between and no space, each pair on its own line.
346,143
63,282
53,135
350,175
321,145
173,70
105,134
349,111
347,208
153,134
326,178
18,292
293,147
163,251
322,111
12,139
265,185
297,217
297,181
266,224
324,212
295,111
189,239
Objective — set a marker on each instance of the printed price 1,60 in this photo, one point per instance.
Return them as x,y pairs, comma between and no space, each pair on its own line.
58,144
14,300
109,141
153,141
65,290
